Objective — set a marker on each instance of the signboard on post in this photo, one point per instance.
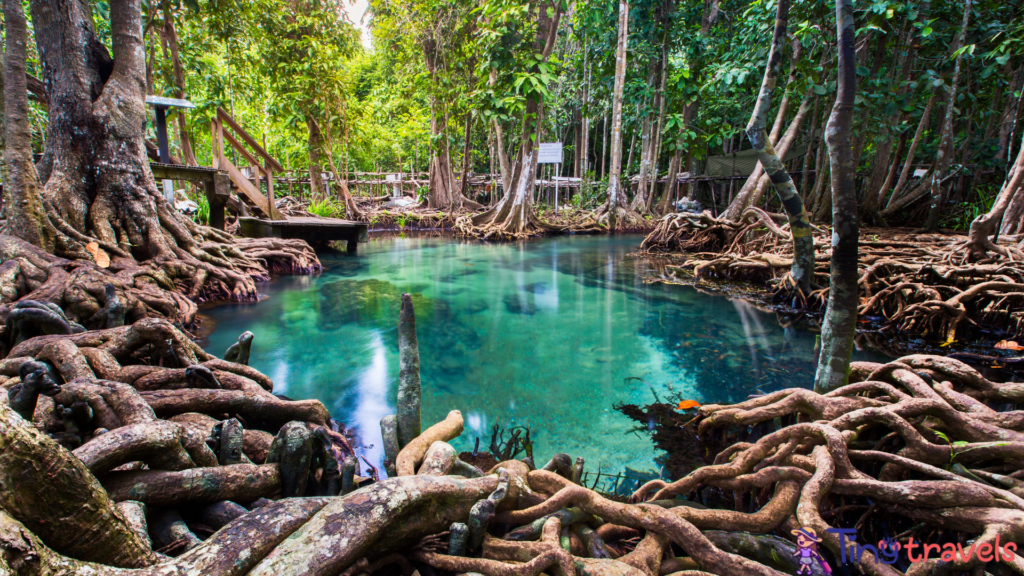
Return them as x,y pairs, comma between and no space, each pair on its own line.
549,153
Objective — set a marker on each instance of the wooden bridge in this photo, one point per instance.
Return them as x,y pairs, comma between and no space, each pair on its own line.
218,180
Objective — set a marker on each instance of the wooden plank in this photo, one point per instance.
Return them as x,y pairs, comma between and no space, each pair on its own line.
245,153
250,191
227,119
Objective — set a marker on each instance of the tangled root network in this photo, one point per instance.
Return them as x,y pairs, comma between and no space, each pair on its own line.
129,450
915,283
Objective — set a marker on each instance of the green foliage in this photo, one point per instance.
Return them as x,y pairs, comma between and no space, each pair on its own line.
327,208
202,215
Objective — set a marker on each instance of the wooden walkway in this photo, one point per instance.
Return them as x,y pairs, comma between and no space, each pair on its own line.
309,229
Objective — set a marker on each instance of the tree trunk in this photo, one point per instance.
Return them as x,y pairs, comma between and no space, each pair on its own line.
604,146
909,162
465,156
179,86
26,216
506,169
945,152
743,198
985,225
805,170
803,241
100,187
881,172
514,215
352,211
784,145
616,209
840,325
639,200
441,179
671,184
315,142
656,147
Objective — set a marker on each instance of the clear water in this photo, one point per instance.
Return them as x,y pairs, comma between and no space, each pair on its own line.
549,334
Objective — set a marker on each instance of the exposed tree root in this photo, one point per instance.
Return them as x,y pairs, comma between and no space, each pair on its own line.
239,481
163,287
919,284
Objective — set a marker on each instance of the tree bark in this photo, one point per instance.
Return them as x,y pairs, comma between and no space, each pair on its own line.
315,142
840,325
800,227
26,216
945,152
646,140
52,492
744,197
616,209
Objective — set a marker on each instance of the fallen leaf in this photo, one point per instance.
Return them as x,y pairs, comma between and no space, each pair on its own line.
1008,345
101,258
687,404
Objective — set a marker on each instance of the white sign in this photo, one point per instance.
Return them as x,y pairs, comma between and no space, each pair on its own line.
550,153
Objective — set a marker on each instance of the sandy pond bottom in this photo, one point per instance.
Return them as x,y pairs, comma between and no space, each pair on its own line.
549,334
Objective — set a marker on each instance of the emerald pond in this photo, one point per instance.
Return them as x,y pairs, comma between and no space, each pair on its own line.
549,334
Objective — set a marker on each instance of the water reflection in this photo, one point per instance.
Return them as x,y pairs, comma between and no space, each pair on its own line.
550,334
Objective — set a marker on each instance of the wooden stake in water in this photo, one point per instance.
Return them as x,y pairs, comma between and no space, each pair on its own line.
409,425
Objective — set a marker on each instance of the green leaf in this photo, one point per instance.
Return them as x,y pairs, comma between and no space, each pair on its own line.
926,31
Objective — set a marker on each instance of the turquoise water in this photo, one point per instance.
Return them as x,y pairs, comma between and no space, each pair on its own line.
549,334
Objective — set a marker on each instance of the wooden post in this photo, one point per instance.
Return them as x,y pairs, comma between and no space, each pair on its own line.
218,189
270,186
217,145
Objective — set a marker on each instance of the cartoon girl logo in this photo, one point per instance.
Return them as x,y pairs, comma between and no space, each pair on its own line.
807,551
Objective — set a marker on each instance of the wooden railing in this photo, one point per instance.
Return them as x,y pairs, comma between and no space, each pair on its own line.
259,159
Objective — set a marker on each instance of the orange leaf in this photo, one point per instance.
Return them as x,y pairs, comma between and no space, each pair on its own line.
1008,345
687,404
102,260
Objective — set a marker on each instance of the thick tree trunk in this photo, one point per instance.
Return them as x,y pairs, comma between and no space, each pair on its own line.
840,325
800,227
100,188
26,216
514,215
443,194
616,210
945,152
